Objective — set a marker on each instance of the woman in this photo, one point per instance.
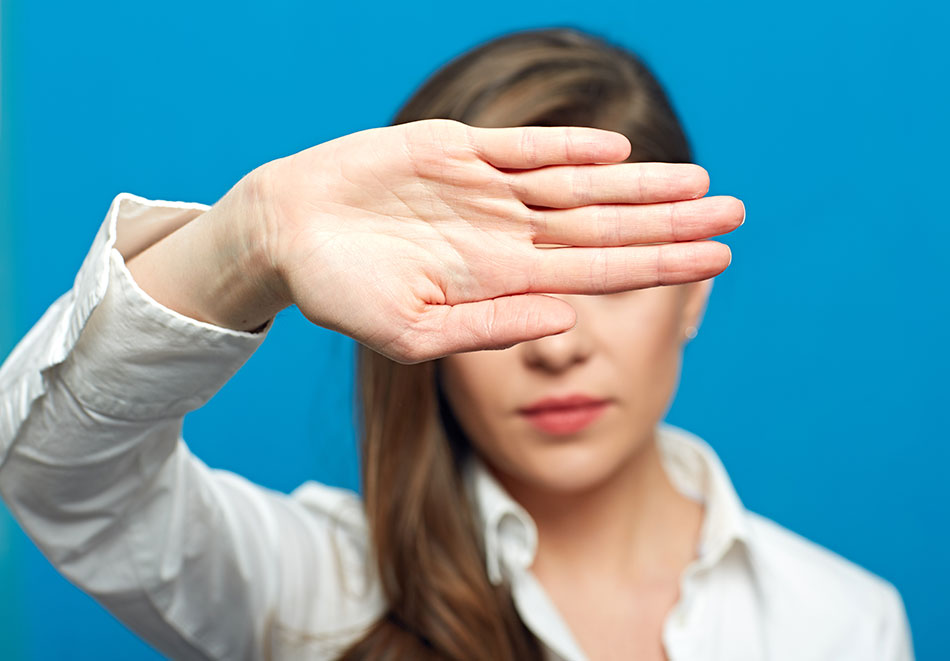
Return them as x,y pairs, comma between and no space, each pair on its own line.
525,502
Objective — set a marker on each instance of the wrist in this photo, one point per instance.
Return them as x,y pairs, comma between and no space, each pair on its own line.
243,237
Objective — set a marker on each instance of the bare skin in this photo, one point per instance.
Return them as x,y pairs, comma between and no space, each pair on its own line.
418,240
612,562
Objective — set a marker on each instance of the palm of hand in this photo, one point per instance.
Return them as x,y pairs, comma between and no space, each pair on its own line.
419,240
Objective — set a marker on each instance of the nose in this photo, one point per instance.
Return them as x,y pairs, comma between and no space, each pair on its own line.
557,353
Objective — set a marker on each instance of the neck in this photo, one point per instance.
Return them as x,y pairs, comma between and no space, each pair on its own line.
633,524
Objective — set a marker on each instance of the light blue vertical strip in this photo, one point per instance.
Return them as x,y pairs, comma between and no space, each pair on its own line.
11,586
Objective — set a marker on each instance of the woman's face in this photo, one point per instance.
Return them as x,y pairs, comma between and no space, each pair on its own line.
625,348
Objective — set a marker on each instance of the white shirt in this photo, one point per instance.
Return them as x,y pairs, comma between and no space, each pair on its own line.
203,563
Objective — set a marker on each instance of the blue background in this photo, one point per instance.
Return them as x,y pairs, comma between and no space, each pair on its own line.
819,374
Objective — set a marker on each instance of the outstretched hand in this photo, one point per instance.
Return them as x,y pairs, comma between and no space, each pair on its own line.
434,237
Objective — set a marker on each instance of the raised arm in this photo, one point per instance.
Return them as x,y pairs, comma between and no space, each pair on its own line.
429,238
199,562
417,240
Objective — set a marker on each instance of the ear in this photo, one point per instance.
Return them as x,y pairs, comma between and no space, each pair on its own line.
697,295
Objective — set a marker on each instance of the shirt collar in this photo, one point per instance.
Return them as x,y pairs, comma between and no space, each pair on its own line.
511,537
696,471
509,532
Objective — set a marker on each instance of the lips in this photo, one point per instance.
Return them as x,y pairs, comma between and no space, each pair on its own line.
570,401
564,415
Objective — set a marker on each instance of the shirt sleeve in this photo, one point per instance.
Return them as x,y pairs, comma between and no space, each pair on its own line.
199,562
896,643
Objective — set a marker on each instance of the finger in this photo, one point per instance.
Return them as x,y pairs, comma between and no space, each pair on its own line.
524,147
496,323
565,186
609,270
624,224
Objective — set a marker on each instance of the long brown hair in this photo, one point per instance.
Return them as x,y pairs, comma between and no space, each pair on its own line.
428,547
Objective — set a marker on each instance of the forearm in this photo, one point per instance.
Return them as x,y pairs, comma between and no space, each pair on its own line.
91,462
97,474
217,268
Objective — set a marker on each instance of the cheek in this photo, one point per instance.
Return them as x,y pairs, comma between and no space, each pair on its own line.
473,384
484,390
648,359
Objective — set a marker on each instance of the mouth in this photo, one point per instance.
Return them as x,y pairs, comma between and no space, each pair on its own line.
565,419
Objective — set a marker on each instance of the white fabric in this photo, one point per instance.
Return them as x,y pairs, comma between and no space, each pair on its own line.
205,564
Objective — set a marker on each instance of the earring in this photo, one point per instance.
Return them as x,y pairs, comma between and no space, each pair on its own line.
691,332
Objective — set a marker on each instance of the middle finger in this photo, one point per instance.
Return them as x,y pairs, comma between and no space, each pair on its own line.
565,186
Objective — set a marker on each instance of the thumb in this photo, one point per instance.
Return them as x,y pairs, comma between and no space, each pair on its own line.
499,323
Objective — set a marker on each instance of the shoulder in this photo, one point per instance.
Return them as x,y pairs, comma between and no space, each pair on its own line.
812,591
337,517
787,557
343,506
334,579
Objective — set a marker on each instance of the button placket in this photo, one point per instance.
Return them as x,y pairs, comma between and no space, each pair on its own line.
675,630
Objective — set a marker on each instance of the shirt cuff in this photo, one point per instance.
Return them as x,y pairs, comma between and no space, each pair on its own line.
135,358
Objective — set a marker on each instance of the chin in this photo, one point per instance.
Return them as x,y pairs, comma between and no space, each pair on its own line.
567,467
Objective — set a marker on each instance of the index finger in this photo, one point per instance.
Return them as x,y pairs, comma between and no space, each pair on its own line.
526,147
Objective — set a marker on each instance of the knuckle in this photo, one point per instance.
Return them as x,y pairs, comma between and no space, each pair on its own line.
639,173
671,221
491,322
528,146
570,148
533,270
610,219
660,268
605,275
578,183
